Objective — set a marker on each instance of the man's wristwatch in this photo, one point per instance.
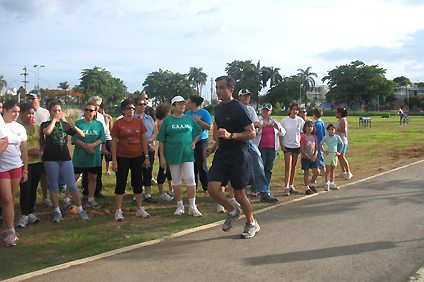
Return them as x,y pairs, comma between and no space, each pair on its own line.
233,136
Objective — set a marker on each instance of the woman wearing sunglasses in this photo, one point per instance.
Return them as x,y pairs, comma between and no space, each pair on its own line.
87,157
129,151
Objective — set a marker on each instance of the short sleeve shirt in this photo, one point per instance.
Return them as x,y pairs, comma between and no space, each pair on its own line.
57,142
234,117
204,116
176,134
293,127
331,142
93,131
309,145
129,134
320,131
11,157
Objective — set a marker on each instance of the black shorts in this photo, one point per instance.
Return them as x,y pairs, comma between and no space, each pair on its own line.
307,164
236,168
93,170
292,150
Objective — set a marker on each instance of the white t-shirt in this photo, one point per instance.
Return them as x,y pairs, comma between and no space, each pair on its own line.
100,118
11,157
293,127
252,113
41,115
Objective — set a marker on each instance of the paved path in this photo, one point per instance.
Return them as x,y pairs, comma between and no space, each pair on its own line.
368,231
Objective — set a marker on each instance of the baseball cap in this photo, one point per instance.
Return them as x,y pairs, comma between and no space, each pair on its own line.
267,106
177,99
33,94
244,91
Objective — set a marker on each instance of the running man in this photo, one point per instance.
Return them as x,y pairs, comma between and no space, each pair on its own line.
233,128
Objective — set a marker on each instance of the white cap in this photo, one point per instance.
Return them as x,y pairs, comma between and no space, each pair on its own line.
177,99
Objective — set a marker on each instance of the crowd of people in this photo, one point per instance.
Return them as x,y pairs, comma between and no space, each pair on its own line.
34,149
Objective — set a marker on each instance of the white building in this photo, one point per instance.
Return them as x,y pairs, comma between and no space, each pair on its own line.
318,93
403,92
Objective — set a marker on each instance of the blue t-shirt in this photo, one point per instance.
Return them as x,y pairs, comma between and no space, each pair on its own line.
321,131
204,116
234,117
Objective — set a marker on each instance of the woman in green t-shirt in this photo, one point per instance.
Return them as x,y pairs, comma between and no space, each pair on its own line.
176,146
87,158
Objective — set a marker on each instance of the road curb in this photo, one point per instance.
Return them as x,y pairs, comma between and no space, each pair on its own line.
418,276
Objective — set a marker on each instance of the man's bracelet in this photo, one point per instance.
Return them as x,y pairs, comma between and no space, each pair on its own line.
114,162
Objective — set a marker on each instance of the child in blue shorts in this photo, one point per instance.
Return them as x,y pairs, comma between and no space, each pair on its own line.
330,155
309,150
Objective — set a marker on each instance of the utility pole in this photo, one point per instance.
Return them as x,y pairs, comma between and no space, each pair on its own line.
25,74
211,89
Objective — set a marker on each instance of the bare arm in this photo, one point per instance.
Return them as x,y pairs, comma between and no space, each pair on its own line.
24,157
143,141
3,144
114,153
202,124
248,133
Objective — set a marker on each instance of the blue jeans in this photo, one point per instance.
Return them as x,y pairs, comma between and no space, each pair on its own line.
268,157
66,169
260,183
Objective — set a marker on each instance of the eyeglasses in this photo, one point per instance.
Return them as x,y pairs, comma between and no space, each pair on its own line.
130,108
142,104
303,112
32,98
90,110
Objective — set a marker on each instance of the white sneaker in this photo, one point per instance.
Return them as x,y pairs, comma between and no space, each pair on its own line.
341,175
234,202
286,191
171,193
23,221
93,204
194,211
333,186
142,212
292,190
321,185
179,210
119,216
47,203
165,197
32,219
220,209
327,187
349,175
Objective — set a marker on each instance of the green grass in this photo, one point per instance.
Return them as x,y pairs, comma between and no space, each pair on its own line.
46,244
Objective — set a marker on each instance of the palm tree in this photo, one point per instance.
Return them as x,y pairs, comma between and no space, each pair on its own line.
197,78
272,74
307,80
3,82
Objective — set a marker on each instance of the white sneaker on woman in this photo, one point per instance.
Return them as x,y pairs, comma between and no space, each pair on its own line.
179,210
194,211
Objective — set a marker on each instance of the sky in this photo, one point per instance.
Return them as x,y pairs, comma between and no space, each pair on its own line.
132,38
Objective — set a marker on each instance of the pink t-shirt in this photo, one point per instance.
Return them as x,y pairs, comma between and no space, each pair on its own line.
268,138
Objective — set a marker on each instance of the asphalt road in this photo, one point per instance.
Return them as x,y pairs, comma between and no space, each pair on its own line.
369,231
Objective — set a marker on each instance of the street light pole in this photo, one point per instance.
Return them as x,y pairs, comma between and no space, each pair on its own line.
38,74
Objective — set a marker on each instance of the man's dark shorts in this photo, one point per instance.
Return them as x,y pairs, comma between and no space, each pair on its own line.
235,167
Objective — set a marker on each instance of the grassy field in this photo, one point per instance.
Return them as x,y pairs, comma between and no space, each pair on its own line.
371,150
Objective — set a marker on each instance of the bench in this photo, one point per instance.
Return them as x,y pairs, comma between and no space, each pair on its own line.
365,121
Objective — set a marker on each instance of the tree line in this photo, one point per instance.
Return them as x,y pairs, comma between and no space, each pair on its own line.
348,83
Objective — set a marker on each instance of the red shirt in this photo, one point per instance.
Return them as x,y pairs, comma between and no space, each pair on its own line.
128,134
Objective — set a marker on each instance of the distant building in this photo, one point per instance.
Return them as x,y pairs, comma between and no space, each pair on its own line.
318,93
403,92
